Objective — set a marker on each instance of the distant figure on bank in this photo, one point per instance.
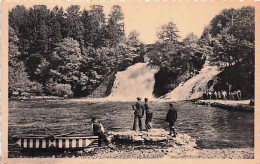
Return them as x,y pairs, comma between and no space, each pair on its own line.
171,118
239,94
204,96
229,88
210,95
252,102
215,95
148,114
139,113
232,96
98,130
235,95
224,93
219,95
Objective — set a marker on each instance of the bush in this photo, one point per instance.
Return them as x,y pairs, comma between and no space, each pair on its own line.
56,89
36,88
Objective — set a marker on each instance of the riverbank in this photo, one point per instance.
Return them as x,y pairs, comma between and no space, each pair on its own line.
141,152
173,153
238,105
22,98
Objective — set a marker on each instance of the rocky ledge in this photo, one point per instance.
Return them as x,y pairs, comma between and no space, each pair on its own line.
242,105
154,137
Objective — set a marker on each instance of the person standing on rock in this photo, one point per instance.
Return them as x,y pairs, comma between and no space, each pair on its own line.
171,118
148,114
139,112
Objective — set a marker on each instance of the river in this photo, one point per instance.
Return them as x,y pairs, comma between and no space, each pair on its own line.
212,127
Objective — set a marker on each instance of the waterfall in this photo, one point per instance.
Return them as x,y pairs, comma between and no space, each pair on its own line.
195,86
136,81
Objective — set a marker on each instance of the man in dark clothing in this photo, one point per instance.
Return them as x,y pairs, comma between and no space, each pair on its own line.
139,112
148,114
98,130
171,118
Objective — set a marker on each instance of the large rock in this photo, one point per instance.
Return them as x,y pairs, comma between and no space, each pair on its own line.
154,136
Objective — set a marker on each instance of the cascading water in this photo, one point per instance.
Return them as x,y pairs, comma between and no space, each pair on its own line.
136,81
194,87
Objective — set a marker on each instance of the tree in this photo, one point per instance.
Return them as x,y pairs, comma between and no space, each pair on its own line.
86,21
232,43
18,20
133,39
57,26
69,48
66,57
96,30
17,76
115,27
243,26
74,23
168,33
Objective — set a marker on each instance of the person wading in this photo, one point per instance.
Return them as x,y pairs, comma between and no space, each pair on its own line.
148,114
171,118
139,112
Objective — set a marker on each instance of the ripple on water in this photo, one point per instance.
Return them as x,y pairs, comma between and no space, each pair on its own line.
216,128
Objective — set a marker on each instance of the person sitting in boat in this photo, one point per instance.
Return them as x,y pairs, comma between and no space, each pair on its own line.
98,130
171,118
148,114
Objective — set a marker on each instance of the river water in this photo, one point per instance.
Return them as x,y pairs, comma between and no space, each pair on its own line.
212,127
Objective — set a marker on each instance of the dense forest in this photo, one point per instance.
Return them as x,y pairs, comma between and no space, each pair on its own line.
67,52
72,51
228,42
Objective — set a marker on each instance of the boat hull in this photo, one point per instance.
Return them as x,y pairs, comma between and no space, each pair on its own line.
55,142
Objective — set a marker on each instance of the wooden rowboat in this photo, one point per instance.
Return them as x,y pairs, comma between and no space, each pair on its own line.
54,142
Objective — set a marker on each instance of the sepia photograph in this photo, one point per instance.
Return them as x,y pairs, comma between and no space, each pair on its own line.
147,80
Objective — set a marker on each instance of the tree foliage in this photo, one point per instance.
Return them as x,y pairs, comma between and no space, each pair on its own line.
232,44
74,47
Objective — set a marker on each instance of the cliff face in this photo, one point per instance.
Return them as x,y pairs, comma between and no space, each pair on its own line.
162,86
239,76
104,89
194,87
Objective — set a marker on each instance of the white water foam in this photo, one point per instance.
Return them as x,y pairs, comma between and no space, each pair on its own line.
136,81
194,87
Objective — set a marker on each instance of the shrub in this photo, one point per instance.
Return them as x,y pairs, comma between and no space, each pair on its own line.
36,88
53,88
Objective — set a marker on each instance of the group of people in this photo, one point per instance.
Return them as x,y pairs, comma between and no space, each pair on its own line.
139,111
224,95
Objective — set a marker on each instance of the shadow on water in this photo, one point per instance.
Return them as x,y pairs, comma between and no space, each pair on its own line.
213,127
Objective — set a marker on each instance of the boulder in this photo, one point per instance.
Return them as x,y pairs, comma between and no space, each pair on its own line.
153,136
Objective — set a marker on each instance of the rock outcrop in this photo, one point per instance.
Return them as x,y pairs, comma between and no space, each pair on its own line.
155,136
